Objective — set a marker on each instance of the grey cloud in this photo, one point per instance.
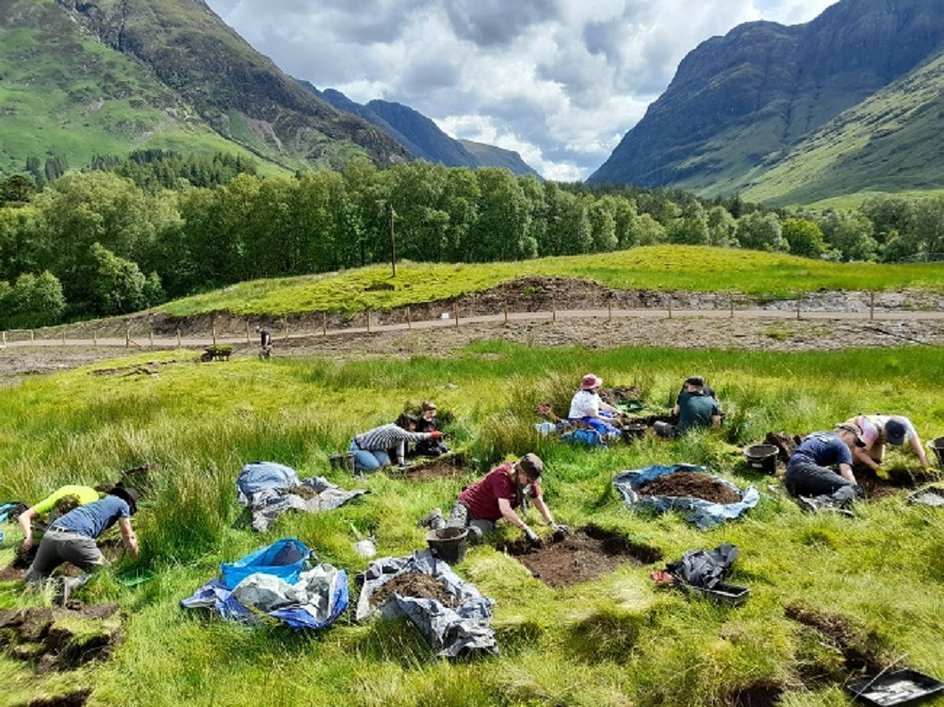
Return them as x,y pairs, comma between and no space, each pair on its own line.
490,23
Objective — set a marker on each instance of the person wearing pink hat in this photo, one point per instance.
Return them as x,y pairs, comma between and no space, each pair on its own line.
586,406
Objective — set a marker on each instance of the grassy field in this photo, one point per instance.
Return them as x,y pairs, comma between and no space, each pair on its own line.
690,268
616,640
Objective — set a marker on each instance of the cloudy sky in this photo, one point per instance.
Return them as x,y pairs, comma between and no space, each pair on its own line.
559,81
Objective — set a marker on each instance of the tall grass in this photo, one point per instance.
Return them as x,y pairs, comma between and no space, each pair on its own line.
616,640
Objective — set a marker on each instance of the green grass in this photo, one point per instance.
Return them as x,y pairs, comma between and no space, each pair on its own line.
689,268
616,640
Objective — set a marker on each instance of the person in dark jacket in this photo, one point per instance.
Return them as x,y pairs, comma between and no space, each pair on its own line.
372,449
427,422
810,471
696,407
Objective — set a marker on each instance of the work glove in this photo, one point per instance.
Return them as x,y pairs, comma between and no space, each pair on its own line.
533,538
435,434
560,528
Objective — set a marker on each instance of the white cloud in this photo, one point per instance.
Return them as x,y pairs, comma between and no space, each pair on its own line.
559,81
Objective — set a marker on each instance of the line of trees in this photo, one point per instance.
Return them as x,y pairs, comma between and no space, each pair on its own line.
113,245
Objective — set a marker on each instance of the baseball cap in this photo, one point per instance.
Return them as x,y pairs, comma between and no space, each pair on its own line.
854,429
895,432
531,465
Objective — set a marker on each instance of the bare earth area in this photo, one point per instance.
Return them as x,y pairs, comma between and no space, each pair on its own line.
543,312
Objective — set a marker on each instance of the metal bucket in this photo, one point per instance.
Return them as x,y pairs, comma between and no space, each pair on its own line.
448,544
762,457
937,446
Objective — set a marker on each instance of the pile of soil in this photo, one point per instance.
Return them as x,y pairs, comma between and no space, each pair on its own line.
687,483
621,394
586,554
785,444
414,584
306,492
857,650
57,640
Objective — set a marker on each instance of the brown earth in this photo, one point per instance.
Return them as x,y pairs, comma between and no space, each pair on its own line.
531,294
858,650
446,466
763,693
893,482
687,483
414,584
588,553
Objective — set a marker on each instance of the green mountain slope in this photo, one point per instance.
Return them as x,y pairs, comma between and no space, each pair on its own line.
742,103
82,78
889,142
492,156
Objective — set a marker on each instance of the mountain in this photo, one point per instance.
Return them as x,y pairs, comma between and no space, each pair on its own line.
742,104
79,78
421,137
491,156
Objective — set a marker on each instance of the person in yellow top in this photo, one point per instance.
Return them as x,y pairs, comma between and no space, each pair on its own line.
62,500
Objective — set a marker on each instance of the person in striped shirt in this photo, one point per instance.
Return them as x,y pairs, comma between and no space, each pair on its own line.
372,449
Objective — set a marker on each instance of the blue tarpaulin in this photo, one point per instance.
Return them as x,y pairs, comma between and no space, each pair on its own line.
273,581
702,513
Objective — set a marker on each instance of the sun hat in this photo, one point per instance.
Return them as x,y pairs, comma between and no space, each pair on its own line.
895,432
590,381
531,465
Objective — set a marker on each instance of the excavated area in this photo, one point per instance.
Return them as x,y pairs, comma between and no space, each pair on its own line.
588,553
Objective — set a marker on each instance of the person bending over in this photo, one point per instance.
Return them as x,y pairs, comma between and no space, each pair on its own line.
372,449
496,496
879,430
55,505
809,473
72,537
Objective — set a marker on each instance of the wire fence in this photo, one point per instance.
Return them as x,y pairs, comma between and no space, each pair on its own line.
230,330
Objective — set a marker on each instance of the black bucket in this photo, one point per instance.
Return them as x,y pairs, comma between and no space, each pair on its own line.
937,446
762,457
448,544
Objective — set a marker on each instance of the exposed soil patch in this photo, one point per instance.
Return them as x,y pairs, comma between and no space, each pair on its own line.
877,487
586,554
56,640
414,584
12,574
687,483
448,465
74,698
763,693
858,652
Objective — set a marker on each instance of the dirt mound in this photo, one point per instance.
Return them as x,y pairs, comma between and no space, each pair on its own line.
73,698
414,584
587,554
57,640
12,574
687,483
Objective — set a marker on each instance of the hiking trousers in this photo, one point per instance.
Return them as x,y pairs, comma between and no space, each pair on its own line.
460,517
60,546
809,479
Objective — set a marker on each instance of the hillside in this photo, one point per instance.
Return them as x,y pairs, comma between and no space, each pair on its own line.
738,104
124,75
422,138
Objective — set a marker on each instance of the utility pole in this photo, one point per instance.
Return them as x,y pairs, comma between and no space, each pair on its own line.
393,241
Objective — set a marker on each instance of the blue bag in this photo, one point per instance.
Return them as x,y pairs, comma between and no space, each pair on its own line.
587,437
284,559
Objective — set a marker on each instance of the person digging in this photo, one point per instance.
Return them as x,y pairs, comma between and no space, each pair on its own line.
55,505
811,480
496,496
71,538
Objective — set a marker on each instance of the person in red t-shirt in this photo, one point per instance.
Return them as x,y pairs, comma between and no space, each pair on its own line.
495,497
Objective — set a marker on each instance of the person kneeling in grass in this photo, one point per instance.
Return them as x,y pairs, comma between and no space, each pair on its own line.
809,475
879,430
497,496
696,407
55,505
372,449
71,538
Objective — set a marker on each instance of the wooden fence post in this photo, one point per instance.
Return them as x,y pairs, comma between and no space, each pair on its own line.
798,306
609,310
505,307
368,321
32,335
409,318
731,305
4,339
455,313
178,338
553,310
670,306
213,331
151,338
94,338
247,333
63,337
128,336
324,323
871,306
